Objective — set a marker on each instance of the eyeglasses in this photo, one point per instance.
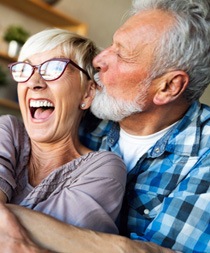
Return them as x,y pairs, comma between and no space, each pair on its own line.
49,70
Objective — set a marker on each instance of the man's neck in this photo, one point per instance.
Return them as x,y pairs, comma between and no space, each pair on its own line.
147,123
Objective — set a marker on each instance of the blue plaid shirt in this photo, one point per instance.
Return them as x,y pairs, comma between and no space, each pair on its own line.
168,191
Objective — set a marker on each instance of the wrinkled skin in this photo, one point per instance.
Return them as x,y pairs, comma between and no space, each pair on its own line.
13,237
59,237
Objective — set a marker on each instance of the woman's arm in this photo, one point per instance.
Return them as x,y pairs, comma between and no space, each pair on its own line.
54,235
13,137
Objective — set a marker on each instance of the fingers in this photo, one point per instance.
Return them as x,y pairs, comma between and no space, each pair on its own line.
13,237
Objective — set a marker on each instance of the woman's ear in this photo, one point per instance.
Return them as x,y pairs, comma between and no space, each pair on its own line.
88,96
171,87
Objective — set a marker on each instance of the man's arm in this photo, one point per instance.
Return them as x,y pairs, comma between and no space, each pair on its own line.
13,237
3,197
54,235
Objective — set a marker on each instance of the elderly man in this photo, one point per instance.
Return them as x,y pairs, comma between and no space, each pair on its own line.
150,81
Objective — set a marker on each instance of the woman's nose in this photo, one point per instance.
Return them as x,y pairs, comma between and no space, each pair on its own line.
36,82
99,62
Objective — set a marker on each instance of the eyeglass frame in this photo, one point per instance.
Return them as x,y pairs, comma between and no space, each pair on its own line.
66,60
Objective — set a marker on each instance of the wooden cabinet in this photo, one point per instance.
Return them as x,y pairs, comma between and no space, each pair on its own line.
4,56
46,13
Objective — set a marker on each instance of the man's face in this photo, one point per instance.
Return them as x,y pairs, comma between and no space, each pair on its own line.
124,67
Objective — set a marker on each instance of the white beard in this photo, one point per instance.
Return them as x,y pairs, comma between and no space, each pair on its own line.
107,107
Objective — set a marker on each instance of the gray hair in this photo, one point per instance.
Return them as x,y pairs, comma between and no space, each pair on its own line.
80,49
186,45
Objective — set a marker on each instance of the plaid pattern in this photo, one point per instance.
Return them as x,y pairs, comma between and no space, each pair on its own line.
168,191
94,139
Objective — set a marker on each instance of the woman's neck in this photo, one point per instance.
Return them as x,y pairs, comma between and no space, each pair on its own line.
45,158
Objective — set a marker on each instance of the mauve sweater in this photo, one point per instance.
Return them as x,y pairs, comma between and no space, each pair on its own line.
85,192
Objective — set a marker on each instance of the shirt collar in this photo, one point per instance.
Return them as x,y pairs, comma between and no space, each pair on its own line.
185,134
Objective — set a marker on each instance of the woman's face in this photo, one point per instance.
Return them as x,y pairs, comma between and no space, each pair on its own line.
51,109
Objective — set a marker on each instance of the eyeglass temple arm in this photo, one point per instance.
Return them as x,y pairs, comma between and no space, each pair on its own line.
81,69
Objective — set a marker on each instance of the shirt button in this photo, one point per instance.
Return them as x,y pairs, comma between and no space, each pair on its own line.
157,150
111,140
146,211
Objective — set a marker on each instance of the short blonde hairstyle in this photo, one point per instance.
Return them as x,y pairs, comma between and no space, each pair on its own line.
76,47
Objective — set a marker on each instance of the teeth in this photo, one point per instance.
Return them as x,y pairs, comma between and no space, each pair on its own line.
40,103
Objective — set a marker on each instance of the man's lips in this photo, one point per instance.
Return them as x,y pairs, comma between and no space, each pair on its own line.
41,109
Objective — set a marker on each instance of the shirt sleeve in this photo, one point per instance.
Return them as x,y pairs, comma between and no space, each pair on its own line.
9,152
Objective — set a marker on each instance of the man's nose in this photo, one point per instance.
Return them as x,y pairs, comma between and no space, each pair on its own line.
99,62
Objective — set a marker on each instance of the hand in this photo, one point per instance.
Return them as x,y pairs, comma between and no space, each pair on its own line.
13,237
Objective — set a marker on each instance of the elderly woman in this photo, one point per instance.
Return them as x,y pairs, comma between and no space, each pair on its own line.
43,165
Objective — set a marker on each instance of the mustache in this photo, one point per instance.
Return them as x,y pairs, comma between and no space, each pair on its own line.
98,80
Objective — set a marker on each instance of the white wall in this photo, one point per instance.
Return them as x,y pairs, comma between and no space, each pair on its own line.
206,96
102,17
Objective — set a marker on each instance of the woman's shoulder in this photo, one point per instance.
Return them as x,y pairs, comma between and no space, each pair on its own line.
13,128
106,164
11,121
104,156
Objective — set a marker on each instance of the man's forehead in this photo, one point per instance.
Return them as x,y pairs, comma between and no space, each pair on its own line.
148,21
141,28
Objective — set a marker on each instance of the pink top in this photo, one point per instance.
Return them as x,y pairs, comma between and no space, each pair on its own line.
85,192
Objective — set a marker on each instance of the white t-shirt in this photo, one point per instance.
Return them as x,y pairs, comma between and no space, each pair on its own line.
132,147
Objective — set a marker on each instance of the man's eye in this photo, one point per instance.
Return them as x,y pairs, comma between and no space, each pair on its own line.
119,55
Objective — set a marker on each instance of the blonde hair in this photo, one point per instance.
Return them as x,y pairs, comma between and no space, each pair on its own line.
80,49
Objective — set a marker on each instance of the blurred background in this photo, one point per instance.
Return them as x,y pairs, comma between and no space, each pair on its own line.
95,19
101,18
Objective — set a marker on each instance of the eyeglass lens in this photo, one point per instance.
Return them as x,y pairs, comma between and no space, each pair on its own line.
21,71
49,70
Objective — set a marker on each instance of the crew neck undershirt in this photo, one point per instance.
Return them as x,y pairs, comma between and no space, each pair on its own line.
132,147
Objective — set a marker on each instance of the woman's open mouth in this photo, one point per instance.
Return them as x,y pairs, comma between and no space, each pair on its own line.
41,109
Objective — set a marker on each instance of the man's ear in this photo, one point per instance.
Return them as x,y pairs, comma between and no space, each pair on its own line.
88,96
172,86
